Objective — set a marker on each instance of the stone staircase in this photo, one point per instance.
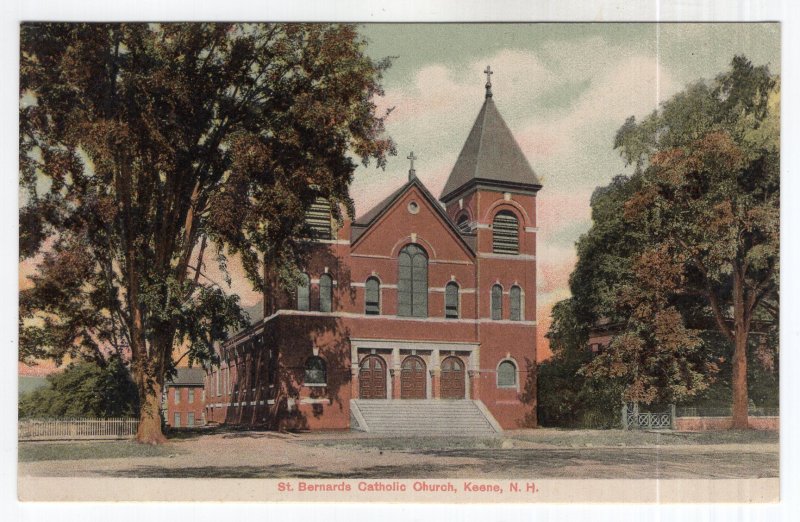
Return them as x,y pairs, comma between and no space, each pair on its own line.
456,418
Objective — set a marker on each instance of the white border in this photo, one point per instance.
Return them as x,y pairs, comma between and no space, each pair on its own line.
411,10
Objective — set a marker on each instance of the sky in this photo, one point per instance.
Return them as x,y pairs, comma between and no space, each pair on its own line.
563,90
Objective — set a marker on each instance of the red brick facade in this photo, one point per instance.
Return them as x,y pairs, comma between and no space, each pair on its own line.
185,406
300,368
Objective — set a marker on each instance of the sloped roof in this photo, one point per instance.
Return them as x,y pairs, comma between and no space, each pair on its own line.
188,377
362,223
490,154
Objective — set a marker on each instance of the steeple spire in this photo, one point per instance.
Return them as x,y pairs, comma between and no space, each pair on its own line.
488,72
411,172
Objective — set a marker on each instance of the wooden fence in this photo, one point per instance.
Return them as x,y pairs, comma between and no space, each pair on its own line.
77,428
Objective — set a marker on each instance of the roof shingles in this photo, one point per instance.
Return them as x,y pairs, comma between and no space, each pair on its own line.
491,154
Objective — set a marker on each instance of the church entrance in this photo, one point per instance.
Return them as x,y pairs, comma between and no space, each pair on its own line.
412,378
452,378
372,378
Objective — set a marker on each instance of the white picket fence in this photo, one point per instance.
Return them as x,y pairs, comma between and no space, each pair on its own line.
78,428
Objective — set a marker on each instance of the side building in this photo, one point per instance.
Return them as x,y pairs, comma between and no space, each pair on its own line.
184,401
419,299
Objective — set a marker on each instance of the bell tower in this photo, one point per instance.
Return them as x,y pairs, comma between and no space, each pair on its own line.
491,196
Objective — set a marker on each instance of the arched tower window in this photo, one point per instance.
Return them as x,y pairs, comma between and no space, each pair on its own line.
505,233
318,219
325,293
462,222
497,302
372,301
451,300
515,296
302,292
412,284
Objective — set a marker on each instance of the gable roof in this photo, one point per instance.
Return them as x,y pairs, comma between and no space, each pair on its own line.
492,155
188,377
361,224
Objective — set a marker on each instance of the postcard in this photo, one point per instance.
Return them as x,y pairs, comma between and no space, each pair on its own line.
406,262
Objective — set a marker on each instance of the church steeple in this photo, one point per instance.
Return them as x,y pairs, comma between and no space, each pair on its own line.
490,156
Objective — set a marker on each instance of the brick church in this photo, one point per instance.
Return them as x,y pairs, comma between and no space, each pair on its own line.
418,315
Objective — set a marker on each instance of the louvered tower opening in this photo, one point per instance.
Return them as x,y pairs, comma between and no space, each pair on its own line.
505,233
318,219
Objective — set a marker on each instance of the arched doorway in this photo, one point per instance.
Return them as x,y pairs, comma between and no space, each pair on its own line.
452,380
412,378
372,378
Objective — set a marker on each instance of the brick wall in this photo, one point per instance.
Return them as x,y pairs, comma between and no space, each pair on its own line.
182,406
724,423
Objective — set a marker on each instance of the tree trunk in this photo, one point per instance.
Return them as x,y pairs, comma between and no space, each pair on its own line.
150,389
741,329
739,381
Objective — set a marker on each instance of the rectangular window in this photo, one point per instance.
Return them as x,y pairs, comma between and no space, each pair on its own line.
216,382
190,419
203,395
177,396
176,421
191,396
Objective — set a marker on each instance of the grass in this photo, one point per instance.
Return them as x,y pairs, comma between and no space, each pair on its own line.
42,451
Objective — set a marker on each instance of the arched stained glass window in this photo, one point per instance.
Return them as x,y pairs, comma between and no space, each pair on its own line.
412,284
372,303
302,292
451,300
325,293
515,297
507,374
497,302
505,233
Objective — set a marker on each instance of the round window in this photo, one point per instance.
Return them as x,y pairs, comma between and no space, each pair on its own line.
413,207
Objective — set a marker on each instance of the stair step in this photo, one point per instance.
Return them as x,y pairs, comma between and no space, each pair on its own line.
424,417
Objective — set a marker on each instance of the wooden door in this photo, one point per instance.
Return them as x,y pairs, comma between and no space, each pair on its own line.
372,378
452,380
412,378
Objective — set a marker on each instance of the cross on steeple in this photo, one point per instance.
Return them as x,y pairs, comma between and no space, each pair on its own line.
488,72
411,172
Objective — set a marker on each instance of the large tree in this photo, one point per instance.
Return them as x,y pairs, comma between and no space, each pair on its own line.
708,206
652,356
147,148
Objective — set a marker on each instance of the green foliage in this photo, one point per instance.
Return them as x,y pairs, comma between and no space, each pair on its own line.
566,396
85,389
